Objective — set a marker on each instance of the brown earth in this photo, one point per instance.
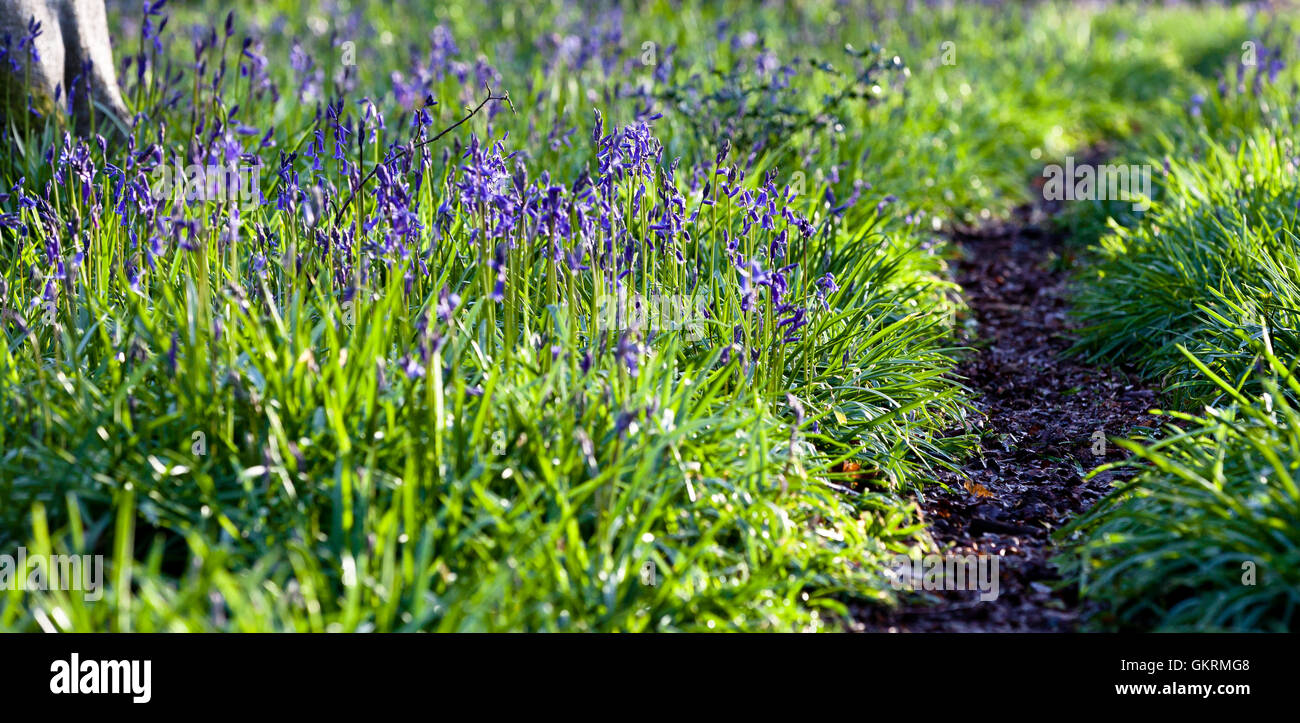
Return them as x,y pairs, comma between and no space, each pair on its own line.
1040,417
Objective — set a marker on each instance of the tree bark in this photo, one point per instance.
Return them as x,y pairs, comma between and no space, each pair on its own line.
74,45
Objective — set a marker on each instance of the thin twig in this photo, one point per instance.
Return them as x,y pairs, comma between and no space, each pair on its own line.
406,151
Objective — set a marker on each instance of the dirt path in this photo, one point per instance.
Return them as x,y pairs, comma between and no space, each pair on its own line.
1040,415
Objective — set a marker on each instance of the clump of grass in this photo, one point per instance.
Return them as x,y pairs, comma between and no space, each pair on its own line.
1201,293
1218,248
395,396
1203,537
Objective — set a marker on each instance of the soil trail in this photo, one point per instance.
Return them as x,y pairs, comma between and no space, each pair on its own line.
1041,413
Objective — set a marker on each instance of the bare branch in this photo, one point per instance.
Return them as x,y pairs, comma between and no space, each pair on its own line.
406,151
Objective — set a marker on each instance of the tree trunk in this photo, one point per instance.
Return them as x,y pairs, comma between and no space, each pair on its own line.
73,45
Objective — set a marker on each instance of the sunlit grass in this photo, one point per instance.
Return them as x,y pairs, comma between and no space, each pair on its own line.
388,401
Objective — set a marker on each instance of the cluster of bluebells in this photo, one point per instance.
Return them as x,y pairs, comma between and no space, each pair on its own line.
444,61
1247,79
767,214
366,204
